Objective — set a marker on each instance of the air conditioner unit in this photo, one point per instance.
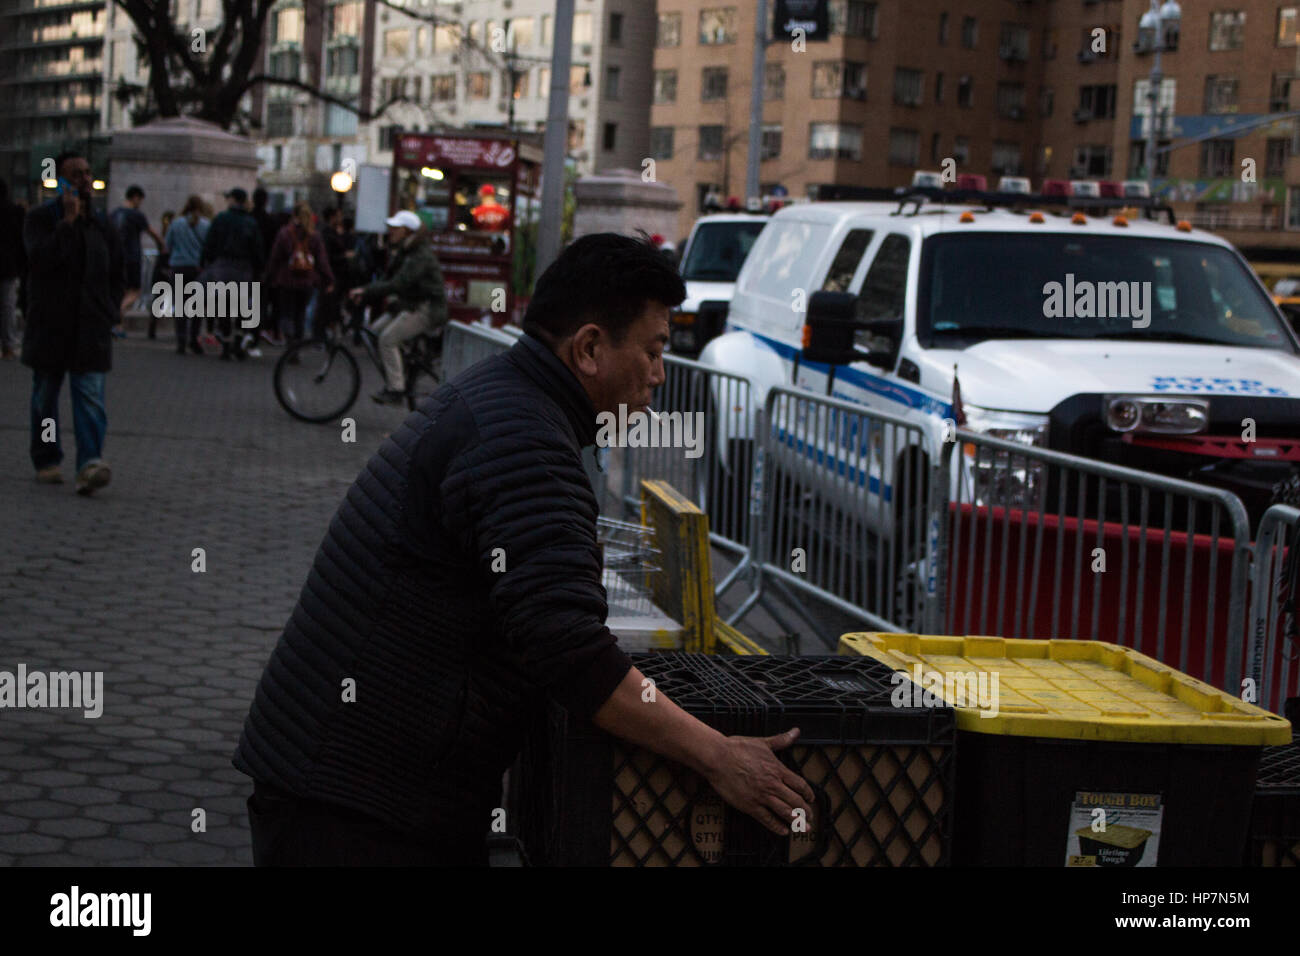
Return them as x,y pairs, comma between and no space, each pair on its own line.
1087,56
1082,116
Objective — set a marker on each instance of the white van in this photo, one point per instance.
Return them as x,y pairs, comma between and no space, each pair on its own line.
711,259
1131,341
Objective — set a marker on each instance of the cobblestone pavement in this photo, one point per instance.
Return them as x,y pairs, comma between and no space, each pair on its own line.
202,457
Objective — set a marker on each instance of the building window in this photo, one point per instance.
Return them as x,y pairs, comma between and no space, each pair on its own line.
445,39
1097,102
442,88
286,26
833,79
1279,97
665,86
1227,29
519,33
907,87
344,61
1293,207
938,87
1006,159
284,64
543,82
340,121
1220,94
705,191
668,32
1046,101
710,147
943,28
834,141
1275,153
970,32
548,27
713,84
520,85
279,119
661,142
934,147
478,86
344,20
577,134
1217,158
717,26
616,29
770,144
582,28
904,147
852,18
578,79
387,137
613,77
1050,38
1011,100
964,96
1137,159
1288,26
1013,44
609,136
397,44
961,150
774,81
1091,161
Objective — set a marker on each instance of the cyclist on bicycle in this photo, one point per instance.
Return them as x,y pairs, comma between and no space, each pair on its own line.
412,294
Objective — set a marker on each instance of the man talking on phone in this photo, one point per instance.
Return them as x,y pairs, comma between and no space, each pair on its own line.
75,283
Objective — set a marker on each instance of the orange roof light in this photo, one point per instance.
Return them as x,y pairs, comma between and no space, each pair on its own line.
968,216
1036,217
1120,221
807,336
1079,219
1184,226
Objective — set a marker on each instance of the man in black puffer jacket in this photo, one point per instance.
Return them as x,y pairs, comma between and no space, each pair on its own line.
459,585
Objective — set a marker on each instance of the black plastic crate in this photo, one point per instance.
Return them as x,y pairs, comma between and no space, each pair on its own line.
1275,813
883,775
586,798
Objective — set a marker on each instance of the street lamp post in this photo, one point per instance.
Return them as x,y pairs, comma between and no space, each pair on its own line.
1158,23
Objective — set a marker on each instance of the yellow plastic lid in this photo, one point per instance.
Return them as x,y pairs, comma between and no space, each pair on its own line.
1075,690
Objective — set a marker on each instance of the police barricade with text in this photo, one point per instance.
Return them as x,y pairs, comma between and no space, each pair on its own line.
850,500
1273,642
1042,544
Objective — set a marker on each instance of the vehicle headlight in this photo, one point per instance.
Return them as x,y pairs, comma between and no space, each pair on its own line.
998,477
1157,416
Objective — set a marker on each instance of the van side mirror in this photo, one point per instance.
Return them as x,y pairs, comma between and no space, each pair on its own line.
831,328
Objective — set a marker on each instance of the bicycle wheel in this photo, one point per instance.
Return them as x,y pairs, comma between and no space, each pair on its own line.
317,381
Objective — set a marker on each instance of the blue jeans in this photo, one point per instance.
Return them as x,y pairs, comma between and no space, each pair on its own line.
89,418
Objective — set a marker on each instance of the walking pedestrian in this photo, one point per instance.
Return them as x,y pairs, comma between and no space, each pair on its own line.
458,588
74,290
185,249
232,252
130,222
338,241
13,263
269,224
298,265
162,270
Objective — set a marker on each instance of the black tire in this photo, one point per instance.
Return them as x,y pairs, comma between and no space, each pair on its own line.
336,355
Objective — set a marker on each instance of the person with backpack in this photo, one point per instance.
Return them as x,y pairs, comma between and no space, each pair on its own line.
298,265
232,252
184,248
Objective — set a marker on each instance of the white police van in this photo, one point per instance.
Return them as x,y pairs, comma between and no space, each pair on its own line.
1120,339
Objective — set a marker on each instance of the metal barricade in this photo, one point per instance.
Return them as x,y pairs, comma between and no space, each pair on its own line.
848,496
714,410
1273,645
1044,544
463,345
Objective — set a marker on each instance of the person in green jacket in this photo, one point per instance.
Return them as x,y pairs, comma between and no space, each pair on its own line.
412,296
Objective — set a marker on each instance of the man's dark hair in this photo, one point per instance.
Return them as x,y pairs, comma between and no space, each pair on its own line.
259,198
603,278
134,191
63,157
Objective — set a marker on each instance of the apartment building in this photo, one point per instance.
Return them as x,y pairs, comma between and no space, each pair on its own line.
51,83
463,65
1045,89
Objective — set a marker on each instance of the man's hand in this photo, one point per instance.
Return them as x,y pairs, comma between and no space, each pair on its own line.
750,778
71,205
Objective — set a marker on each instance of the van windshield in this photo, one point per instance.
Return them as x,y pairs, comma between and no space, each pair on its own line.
718,250
981,286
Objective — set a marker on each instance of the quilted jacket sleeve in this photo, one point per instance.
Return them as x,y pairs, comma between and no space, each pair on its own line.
517,500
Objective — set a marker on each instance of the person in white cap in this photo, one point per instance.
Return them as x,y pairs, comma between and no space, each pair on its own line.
412,295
